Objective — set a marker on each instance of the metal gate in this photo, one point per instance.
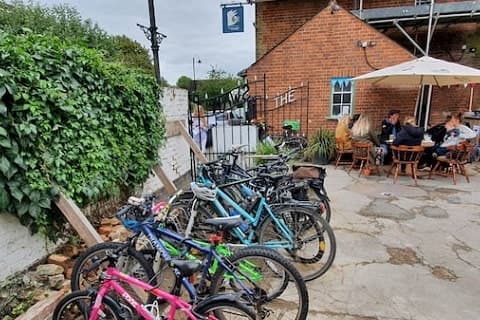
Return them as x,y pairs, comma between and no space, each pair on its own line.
245,115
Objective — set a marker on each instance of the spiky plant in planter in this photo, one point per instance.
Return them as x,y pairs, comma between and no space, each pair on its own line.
321,147
264,149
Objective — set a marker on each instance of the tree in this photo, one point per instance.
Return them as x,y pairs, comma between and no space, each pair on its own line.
218,82
131,53
184,82
217,74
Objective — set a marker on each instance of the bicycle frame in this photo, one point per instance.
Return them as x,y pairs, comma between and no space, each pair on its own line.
211,256
223,250
248,239
111,283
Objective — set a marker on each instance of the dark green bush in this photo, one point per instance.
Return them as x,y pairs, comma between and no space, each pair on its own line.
69,120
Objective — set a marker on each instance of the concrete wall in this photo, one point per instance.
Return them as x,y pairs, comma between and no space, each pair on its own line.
19,248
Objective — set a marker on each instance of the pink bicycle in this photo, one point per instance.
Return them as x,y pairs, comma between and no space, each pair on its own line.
96,304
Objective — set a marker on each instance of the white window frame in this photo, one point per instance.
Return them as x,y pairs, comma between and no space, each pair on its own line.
342,81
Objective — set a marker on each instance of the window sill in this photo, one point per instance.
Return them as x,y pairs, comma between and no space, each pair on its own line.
332,118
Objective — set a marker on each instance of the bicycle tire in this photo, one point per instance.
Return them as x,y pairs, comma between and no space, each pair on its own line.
110,307
290,280
177,216
327,213
217,308
142,272
316,264
315,194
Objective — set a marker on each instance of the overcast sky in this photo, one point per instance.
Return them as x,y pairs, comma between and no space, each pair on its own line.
193,28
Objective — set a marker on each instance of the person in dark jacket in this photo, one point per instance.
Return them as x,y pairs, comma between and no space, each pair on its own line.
410,134
390,128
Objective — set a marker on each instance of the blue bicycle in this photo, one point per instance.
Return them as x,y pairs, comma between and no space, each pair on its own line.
298,232
264,278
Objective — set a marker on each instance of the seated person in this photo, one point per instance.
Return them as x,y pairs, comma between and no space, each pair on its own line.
353,120
342,132
362,132
410,134
450,133
390,127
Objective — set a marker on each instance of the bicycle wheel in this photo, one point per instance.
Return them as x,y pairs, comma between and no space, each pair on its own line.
77,306
177,217
326,210
226,310
315,244
281,291
129,261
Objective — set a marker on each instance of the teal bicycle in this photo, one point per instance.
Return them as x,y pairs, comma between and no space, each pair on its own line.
299,233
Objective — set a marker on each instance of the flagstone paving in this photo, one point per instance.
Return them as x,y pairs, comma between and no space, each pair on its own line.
403,252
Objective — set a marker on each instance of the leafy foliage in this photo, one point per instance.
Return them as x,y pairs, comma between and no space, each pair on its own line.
70,120
131,53
184,82
65,22
321,145
264,149
218,82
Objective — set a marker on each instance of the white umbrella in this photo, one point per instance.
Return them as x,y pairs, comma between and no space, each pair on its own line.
423,71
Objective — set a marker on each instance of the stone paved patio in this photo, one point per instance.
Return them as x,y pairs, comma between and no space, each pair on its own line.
403,252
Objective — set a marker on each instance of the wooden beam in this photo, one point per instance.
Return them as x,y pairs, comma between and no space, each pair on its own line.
196,150
44,308
167,183
78,220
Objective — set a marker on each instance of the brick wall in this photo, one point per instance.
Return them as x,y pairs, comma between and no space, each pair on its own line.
326,47
275,20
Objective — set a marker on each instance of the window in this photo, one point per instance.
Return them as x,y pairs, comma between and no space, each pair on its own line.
342,96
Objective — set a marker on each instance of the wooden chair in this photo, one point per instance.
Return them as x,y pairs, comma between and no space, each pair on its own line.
406,156
453,162
362,152
341,152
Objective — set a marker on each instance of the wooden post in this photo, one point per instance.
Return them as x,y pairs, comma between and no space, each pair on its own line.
198,153
78,220
167,183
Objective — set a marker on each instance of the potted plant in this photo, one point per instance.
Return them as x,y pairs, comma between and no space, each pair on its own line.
264,149
321,146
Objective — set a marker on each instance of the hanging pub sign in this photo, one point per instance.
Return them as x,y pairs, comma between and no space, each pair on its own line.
232,18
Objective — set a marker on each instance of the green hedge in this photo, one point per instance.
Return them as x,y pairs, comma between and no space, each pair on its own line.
70,121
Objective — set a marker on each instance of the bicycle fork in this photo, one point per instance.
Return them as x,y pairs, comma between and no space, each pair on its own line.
191,220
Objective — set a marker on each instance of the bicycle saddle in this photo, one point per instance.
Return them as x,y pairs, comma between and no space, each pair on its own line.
186,267
225,223
273,177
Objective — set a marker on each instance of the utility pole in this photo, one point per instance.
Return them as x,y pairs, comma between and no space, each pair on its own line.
155,38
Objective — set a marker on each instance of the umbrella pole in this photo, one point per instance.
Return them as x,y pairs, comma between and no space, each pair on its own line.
427,113
471,99
417,105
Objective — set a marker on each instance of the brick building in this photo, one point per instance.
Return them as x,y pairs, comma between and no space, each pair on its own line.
306,43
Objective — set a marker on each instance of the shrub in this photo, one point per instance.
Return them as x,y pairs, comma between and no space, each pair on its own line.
69,120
